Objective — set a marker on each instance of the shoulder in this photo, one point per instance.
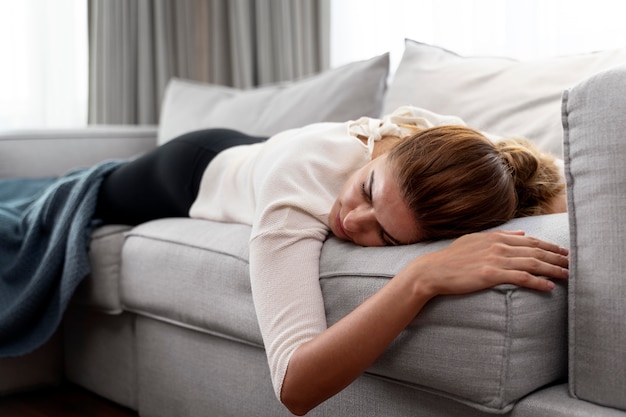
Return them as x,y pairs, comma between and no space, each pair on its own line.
313,147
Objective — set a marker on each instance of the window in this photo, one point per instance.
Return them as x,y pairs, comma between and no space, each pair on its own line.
43,76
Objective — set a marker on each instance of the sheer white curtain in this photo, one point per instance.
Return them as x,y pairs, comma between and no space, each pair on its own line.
43,72
522,29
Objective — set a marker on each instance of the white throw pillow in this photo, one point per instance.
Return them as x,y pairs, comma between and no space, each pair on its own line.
344,93
498,95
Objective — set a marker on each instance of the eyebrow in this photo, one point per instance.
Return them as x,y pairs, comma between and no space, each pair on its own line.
385,233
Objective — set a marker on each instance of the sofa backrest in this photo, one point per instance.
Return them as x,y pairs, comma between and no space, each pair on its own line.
52,152
594,121
499,95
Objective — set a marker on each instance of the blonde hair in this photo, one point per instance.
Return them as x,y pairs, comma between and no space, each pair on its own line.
456,181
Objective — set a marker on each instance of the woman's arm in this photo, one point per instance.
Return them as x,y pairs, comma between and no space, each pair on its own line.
325,365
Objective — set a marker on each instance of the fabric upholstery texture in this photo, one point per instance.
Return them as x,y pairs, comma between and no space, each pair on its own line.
102,353
594,124
502,96
177,365
176,361
100,290
59,150
344,93
555,401
486,350
192,272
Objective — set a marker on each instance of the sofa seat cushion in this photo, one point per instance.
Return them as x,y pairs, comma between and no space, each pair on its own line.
193,273
100,289
486,350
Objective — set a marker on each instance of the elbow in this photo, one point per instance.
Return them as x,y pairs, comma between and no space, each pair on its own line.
297,411
296,404
302,388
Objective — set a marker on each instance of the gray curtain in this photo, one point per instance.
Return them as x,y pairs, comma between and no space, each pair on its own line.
136,46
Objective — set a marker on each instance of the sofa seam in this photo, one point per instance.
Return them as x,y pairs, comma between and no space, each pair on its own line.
193,327
483,407
103,235
135,375
332,275
506,347
571,208
131,234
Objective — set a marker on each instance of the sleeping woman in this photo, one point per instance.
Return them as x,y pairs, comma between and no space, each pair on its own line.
409,177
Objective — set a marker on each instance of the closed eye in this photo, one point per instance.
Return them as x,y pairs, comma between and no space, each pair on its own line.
368,197
364,193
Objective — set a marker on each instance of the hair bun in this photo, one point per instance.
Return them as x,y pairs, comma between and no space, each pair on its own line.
520,159
536,176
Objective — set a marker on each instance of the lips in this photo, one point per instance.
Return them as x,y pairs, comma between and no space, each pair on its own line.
341,233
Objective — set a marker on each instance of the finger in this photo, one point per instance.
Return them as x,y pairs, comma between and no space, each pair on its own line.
545,256
531,249
512,232
538,267
533,282
533,242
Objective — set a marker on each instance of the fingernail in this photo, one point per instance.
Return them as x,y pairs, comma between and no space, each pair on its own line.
550,285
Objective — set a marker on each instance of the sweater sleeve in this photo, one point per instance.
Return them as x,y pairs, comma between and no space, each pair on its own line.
284,270
293,197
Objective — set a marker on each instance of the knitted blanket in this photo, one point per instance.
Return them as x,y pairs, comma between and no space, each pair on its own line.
45,227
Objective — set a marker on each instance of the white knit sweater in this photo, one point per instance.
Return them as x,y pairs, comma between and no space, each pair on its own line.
284,188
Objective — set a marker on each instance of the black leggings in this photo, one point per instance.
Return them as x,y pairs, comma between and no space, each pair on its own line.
163,182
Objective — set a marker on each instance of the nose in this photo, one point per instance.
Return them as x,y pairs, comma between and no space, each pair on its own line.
359,219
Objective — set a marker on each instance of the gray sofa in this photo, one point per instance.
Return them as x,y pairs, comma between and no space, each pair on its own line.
165,324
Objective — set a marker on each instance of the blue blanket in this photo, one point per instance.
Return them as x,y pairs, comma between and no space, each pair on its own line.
45,225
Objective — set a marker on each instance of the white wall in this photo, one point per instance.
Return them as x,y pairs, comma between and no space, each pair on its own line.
522,29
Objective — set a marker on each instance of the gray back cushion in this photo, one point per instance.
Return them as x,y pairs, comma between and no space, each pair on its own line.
594,120
340,94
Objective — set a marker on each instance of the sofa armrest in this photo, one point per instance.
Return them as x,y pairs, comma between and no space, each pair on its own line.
594,122
51,152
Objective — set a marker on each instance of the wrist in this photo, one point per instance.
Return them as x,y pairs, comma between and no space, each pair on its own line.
420,280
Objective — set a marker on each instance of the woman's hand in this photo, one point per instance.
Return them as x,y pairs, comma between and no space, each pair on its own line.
482,260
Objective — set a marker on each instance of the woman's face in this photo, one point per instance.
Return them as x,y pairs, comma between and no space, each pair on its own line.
370,210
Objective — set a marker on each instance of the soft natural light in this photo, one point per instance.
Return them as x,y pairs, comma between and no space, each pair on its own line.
43,76
43,43
522,29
